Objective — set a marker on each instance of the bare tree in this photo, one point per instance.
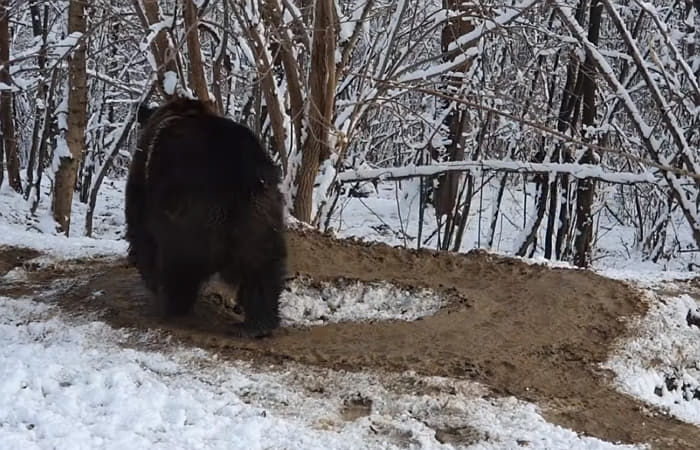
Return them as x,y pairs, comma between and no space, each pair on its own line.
9,139
39,126
321,104
456,122
162,50
194,50
586,188
76,120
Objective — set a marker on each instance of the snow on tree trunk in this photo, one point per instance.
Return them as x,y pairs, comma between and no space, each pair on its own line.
585,191
652,145
197,78
317,147
9,137
76,120
456,121
163,55
39,30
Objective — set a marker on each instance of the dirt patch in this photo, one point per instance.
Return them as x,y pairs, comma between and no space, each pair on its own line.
14,257
524,330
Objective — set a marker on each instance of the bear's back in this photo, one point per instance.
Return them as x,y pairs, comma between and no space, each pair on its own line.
210,153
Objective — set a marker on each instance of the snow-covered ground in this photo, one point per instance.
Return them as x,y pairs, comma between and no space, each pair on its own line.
390,216
75,385
331,302
18,227
661,365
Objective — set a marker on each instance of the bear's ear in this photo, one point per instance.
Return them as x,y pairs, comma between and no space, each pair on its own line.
144,113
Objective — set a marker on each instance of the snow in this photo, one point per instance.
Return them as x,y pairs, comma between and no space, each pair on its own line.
73,386
62,47
59,246
79,385
169,82
305,305
652,144
665,349
466,42
18,228
577,170
662,342
7,87
74,382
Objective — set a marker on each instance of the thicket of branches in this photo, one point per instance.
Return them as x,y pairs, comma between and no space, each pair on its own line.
576,96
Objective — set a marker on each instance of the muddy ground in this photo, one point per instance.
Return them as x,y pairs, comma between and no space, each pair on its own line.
523,330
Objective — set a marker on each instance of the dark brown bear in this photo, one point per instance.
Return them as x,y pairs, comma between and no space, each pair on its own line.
202,198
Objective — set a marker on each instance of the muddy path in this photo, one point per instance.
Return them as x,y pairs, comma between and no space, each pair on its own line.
523,330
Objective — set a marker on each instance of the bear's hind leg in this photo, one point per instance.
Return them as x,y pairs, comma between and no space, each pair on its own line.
258,295
143,256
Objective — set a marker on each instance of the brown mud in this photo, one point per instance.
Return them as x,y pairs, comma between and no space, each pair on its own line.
524,330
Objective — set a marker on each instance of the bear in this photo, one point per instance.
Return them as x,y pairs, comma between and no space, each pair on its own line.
202,202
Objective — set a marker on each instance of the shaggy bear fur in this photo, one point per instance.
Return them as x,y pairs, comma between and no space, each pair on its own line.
202,199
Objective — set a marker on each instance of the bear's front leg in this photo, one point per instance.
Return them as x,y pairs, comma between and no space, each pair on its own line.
258,295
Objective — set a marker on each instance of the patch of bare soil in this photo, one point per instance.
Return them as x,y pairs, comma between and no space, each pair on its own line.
524,330
11,257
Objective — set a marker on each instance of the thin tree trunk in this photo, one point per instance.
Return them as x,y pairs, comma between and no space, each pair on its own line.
116,146
194,49
39,28
550,238
221,58
322,99
163,53
9,138
76,122
291,70
531,238
445,196
269,91
566,121
586,187
48,133
497,210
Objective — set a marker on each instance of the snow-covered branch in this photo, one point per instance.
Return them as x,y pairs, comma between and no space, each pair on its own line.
576,170
415,71
652,145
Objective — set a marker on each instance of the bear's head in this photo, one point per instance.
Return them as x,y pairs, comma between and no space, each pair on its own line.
176,106
223,296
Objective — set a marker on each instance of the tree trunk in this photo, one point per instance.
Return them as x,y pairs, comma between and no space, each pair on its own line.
221,60
76,122
496,210
445,196
39,29
9,141
586,187
566,121
322,98
48,134
531,238
163,53
197,78
290,64
269,91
